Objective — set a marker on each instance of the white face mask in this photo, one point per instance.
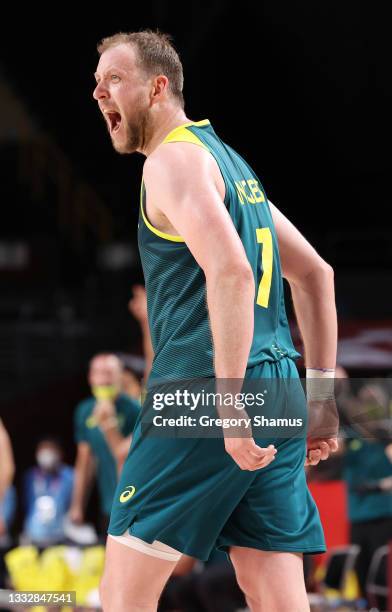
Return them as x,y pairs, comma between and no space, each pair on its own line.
47,459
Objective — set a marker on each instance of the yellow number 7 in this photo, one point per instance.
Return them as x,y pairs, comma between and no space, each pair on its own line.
264,237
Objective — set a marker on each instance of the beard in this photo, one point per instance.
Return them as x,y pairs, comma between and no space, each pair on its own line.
135,134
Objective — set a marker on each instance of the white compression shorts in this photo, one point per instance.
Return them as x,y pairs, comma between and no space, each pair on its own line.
156,549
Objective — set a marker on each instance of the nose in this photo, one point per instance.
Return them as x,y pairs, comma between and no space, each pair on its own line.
100,92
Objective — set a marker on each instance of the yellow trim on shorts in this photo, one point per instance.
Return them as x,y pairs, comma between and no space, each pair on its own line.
153,229
179,134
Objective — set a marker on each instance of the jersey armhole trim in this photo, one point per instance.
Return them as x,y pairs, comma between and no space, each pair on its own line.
153,229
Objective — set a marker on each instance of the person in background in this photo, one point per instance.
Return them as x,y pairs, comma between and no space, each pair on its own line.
367,471
133,379
133,373
137,306
7,492
108,411
47,491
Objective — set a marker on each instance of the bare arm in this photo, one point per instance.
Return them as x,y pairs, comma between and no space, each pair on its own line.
105,414
118,444
311,282
147,349
181,186
84,469
180,178
138,307
7,466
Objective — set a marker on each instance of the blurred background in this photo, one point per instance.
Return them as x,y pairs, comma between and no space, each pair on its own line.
301,90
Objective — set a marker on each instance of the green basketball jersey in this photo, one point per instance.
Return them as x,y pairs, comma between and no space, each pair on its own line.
175,283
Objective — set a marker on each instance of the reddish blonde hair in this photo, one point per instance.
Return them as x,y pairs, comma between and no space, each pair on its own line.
155,55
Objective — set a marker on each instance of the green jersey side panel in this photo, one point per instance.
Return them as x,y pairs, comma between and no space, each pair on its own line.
175,284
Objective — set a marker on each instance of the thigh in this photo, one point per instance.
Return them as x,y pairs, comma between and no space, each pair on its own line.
275,580
129,572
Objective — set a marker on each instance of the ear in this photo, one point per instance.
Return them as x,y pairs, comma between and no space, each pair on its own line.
159,88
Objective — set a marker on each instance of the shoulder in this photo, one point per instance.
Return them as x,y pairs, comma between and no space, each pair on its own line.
177,161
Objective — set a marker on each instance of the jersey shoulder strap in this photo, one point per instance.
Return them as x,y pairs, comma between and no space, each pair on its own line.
182,134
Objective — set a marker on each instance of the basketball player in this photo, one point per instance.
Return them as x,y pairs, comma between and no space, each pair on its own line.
213,251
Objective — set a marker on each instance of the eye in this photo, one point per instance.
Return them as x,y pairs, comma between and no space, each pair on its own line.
115,78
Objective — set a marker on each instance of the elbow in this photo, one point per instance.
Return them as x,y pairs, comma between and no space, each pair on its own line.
325,270
230,269
242,272
232,274
319,269
321,279
320,275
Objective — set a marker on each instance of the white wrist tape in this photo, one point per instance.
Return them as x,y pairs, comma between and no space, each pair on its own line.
320,384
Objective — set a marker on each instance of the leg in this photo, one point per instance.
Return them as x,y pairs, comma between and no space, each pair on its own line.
132,580
271,581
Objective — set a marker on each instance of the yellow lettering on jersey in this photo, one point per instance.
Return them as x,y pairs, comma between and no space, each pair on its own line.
264,237
256,191
250,199
255,195
241,191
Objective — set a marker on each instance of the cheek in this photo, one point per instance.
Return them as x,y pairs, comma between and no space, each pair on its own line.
135,103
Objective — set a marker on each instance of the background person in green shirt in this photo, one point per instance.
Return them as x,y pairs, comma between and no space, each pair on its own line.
367,470
368,474
93,452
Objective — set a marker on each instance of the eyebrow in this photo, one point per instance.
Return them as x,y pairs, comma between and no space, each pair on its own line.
96,74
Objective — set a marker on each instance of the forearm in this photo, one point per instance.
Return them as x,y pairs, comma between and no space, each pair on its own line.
230,300
314,304
83,478
115,440
147,349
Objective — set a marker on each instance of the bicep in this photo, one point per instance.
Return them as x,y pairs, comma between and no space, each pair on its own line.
188,196
298,257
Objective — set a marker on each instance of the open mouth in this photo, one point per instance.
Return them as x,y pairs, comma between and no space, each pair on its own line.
114,120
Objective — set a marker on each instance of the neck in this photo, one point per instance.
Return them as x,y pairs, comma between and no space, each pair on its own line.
161,126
